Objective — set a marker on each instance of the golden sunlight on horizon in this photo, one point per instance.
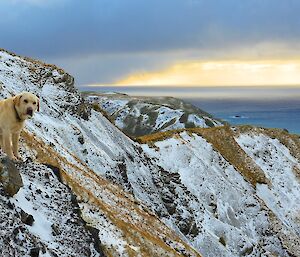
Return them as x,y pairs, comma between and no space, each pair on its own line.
220,73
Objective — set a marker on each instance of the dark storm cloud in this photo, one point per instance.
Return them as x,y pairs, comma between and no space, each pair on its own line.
66,31
72,27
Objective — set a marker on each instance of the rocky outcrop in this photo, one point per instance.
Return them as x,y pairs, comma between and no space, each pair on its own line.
41,218
10,176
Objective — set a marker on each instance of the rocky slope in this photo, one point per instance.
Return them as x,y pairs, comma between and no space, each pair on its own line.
82,145
216,192
139,116
42,219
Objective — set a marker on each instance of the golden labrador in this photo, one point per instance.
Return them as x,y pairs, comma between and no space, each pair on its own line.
13,113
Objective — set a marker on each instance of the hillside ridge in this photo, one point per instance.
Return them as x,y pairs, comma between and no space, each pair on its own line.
221,191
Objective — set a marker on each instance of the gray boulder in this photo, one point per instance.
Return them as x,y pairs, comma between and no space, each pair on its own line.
10,176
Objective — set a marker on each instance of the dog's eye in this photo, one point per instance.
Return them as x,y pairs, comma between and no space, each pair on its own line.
34,103
25,101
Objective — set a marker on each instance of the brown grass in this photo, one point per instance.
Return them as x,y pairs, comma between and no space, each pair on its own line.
151,139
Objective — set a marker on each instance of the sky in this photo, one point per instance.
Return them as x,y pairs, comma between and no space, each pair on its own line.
159,42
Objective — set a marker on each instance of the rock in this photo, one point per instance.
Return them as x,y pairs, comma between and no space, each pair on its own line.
10,176
188,227
222,241
10,205
34,252
167,199
171,208
81,139
26,218
247,251
55,230
95,235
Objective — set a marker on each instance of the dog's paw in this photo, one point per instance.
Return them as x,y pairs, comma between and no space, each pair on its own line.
20,159
17,158
14,159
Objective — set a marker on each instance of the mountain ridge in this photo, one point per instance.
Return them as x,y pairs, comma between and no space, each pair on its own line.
139,115
143,204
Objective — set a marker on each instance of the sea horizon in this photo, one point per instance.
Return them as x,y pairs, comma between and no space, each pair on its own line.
202,91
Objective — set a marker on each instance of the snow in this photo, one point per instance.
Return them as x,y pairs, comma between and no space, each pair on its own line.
41,226
113,106
46,254
99,153
49,202
283,195
197,120
166,115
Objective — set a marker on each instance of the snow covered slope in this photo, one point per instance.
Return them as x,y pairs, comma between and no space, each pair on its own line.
282,170
235,216
183,193
138,116
74,139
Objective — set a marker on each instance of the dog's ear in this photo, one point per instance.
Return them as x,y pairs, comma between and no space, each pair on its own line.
38,104
17,99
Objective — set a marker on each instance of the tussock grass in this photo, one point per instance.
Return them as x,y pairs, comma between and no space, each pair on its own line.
151,139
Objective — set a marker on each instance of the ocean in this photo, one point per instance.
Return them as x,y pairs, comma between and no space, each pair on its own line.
272,107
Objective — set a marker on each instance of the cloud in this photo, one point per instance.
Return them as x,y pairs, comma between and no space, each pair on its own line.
106,68
144,26
220,73
109,68
72,31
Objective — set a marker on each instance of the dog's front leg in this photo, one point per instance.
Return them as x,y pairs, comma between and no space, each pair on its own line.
7,147
15,144
1,142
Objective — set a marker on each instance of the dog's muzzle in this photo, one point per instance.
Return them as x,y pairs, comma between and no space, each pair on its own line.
29,112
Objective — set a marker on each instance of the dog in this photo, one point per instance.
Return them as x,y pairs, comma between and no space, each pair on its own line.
13,113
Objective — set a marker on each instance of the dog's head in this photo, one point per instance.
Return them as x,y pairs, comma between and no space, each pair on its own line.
26,104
